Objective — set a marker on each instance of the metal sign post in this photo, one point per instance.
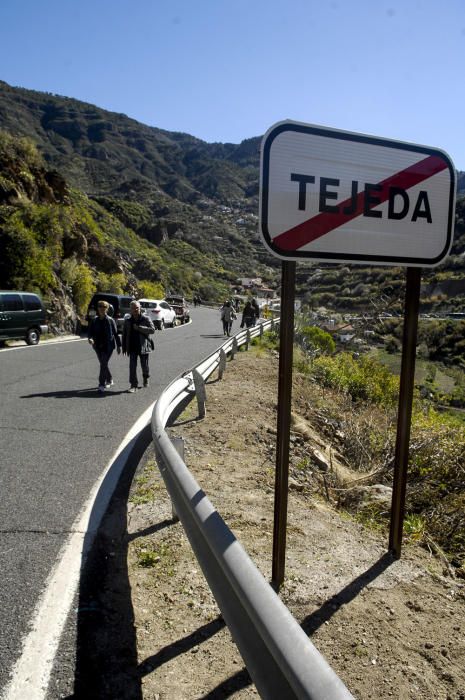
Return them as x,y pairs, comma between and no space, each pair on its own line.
329,195
286,341
404,415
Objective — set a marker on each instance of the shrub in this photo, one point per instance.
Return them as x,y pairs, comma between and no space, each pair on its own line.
83,287
111,283
150,290
363,378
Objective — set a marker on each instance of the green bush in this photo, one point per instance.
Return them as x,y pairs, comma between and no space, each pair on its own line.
115,283
364,379
150,290
24,264
317,339
83,287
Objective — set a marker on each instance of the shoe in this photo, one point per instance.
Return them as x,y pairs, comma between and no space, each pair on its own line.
108,384
132,389
101,389
146,382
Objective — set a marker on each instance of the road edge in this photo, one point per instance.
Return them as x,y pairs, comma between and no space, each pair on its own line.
31,672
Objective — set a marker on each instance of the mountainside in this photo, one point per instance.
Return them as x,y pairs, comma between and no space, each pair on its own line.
59,242
169,187
182,186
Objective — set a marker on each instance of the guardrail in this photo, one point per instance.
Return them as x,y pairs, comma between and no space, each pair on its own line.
280,658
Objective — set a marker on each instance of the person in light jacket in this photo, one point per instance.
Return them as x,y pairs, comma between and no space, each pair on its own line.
227,316
103,336
137,344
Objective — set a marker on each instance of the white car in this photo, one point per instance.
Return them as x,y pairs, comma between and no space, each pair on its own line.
161,313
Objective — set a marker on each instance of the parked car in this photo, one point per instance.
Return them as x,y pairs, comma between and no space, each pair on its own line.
179,304
119,307
22,317
161,313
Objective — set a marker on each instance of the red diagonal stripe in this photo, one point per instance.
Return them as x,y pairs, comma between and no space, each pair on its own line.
322,223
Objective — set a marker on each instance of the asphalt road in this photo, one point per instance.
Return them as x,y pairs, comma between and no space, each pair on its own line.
57,435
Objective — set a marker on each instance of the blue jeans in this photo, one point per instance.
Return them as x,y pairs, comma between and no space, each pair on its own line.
144,363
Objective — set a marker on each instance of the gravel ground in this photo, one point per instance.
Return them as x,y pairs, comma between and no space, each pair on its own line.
390,629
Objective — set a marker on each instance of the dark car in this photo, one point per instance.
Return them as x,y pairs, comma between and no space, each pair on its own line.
179,304
22,317
120,306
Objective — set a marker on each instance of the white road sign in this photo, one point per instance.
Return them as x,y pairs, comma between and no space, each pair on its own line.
336,196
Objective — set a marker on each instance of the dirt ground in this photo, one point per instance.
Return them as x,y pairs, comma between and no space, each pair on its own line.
390,629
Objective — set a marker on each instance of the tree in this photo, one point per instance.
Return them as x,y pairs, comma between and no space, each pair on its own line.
315,338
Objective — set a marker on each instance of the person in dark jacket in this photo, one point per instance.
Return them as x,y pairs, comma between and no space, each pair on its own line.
248,315
257,310
103,336
137,344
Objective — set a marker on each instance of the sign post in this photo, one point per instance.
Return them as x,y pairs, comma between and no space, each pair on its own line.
404,413
286,342
335,196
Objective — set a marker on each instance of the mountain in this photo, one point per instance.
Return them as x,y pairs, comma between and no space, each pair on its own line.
170,189
182,186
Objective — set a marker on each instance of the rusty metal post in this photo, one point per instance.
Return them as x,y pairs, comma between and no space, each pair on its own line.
404,415
284,421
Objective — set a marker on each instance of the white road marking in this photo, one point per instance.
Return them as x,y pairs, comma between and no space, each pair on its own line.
58,341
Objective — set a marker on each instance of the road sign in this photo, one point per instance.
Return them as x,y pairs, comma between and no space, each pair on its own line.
338,196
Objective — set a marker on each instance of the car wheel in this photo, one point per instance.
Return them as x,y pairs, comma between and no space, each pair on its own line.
161,325
175,322
32,336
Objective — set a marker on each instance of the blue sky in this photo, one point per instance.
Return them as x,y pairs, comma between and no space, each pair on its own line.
224,71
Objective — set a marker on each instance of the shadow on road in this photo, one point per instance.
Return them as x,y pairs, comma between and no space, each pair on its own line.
74,394
106,649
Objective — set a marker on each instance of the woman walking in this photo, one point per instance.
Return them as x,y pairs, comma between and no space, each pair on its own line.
103,336
248,316
227,316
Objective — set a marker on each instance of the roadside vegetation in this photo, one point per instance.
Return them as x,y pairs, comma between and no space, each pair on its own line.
352,400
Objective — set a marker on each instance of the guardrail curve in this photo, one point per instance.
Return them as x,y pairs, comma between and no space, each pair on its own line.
280,658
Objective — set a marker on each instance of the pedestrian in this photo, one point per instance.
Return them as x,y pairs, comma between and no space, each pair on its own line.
227,316
103,336
257,310
137,344
248,315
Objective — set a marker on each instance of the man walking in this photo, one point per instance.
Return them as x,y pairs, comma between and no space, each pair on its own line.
137,344
104,337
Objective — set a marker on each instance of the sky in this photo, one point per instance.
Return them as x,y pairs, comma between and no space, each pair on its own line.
225,70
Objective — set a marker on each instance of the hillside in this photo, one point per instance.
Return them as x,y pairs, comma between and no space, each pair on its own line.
163,184
182,195
56,240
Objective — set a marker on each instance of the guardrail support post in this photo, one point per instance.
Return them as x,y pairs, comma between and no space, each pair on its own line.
200,392
234,348
261,330
178,444
222,364
248,339
272,323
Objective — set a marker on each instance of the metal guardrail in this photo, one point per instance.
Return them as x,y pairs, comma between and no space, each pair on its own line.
280,658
